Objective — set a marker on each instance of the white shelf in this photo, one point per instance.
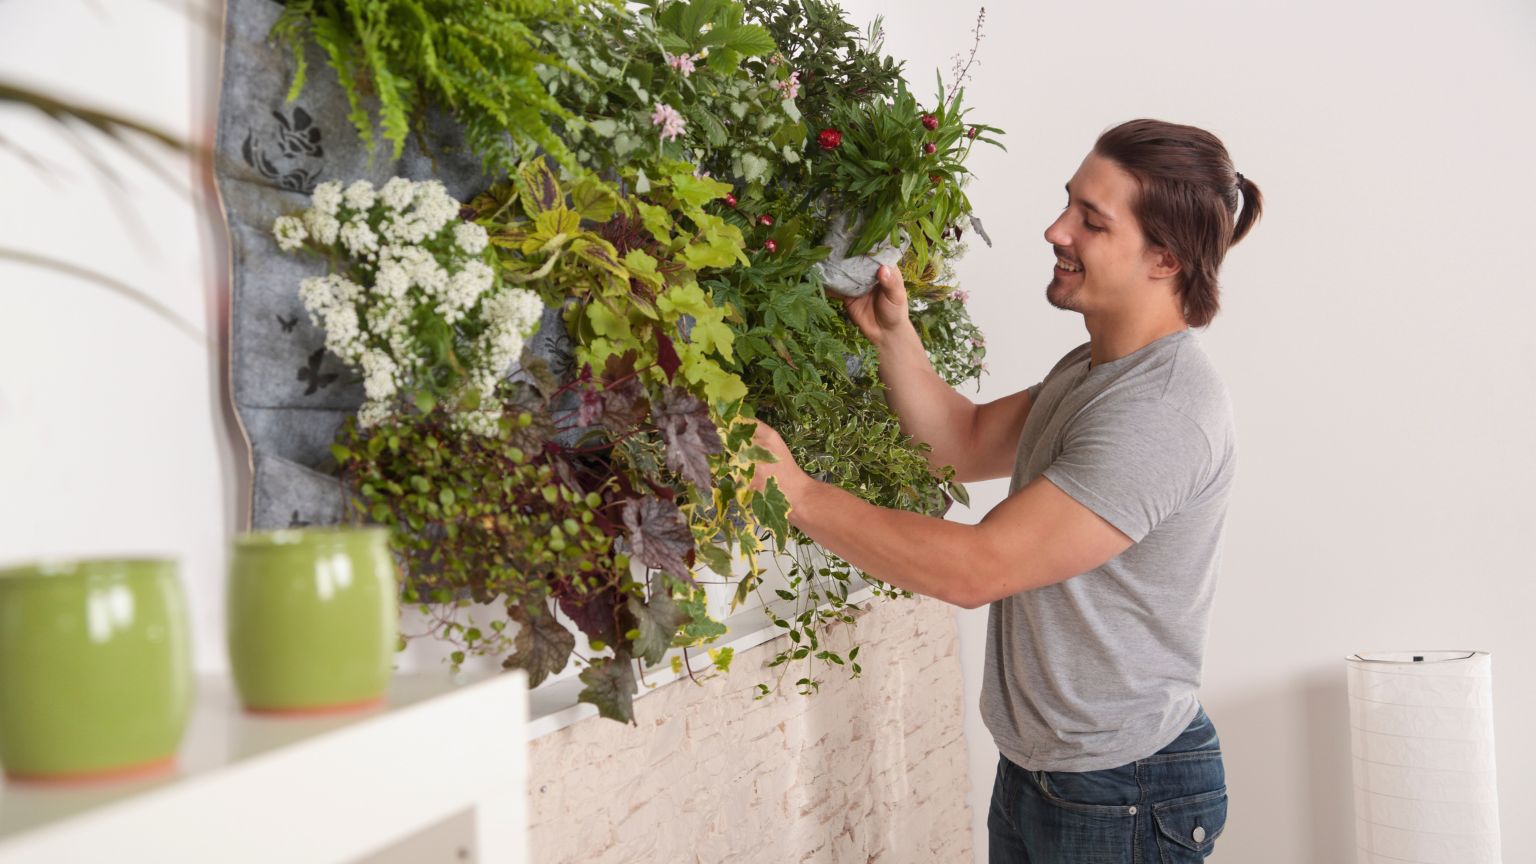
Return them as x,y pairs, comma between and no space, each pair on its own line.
312,789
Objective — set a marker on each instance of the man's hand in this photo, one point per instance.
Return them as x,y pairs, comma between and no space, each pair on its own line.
786,471
883,311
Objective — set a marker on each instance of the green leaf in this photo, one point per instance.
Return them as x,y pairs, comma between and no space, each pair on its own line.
657,220
611,687
700,627
772,509
593,199
723,659
657,621
698,191
715,558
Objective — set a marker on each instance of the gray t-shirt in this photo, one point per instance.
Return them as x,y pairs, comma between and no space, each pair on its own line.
1102,669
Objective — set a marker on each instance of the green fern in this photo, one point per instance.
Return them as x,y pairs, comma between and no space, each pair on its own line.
478,58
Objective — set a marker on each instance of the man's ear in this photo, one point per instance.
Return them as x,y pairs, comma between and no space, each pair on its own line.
1165,265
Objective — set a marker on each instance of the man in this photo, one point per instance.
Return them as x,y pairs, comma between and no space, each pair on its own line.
1100,566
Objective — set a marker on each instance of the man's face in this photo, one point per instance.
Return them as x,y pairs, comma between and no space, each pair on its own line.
1100,241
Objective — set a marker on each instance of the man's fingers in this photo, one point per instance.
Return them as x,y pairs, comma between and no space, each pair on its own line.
890,283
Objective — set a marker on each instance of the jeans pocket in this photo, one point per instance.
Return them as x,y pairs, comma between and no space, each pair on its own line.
1109,792
1187,828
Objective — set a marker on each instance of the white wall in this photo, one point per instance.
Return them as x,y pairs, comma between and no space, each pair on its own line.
1373,337
113,434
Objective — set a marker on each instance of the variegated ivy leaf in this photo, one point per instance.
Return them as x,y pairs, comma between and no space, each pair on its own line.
659,536
690,434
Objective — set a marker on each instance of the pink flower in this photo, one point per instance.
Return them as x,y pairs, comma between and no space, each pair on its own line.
960,295
681,62
977,341
669,120
789,89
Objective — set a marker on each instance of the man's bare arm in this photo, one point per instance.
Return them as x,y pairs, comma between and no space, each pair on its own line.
979,441
1036,537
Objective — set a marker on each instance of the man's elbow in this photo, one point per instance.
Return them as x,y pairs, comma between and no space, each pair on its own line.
968,590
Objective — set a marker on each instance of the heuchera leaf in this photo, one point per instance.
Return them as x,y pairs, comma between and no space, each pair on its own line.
657,620
659,536
625,405
595,613
542,646
690,434
611,687
591,408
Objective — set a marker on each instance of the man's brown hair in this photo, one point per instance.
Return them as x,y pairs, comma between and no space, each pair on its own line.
1188,202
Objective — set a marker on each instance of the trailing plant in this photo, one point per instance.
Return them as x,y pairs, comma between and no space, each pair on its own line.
516,519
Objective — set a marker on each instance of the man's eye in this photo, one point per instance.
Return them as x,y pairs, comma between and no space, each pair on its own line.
1093,227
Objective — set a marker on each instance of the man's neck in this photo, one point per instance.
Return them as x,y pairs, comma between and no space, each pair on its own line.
1113,338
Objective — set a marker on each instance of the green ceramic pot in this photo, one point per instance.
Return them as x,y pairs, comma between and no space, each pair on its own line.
313,619
95,668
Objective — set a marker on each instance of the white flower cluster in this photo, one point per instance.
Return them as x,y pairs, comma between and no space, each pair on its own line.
412,263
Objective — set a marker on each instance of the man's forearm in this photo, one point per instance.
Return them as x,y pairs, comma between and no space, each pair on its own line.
929,409
922,554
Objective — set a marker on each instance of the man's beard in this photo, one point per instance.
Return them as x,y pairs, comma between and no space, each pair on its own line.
1060,296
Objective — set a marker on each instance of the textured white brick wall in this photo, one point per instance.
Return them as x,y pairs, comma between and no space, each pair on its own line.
868,770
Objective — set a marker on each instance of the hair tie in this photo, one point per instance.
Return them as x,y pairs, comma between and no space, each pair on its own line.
1239,179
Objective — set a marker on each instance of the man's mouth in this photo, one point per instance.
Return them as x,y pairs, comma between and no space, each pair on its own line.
1066,266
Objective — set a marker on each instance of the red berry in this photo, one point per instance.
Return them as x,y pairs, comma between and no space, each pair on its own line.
829,139
930,122
765,220
930,148
935,179
971,132
770,247
730,200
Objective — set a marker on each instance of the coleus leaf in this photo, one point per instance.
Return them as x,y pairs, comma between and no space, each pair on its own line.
666,355
611,687
537,187
659,536
542,646
690,435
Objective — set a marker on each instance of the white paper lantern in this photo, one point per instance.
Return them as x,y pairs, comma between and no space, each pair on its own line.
1422,739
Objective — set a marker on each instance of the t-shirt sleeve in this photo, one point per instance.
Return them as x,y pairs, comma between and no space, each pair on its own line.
1133,463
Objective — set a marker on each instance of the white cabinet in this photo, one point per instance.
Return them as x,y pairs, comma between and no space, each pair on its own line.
442,756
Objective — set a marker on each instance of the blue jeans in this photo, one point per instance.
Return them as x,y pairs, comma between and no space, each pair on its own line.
1168,808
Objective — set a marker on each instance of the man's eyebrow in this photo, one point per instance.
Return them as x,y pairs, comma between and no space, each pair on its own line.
1089,204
